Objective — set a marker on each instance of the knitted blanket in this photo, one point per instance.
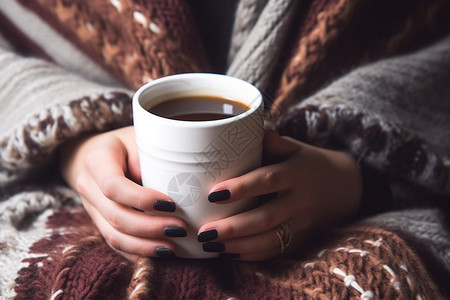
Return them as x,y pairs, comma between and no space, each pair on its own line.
330,78
358,262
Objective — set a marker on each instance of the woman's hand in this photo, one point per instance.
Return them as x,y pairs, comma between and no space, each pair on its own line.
103,168
315,188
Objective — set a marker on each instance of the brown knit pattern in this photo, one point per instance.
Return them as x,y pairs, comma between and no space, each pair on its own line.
353,263
337,35
135,40
73,262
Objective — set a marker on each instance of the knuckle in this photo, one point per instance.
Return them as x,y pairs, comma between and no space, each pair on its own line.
108,186
113,240
142,201
81,184
271,178
144,251
114,220
239,190
91,159
265,219
227,231
151,230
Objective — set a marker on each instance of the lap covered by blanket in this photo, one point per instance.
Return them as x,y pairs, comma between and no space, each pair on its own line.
70,259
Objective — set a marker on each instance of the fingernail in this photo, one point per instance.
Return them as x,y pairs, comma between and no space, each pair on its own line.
165,252
163,205
229,255
213,247
219,196
175,231
207,235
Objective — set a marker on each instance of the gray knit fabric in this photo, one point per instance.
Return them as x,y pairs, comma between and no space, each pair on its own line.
247,15
401,98
255,59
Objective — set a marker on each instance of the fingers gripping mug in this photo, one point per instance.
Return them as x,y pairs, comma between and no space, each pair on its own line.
192,131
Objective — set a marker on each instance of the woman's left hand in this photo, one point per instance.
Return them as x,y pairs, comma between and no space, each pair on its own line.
315,188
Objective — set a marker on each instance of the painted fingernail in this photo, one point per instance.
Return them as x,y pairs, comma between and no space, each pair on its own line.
207,235
163,205
165,252
227,255
175,231
218,196
213,247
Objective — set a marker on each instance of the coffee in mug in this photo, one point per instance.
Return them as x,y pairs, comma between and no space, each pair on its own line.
199,108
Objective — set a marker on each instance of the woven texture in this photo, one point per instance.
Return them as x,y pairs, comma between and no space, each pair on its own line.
135,40
356,263
329,78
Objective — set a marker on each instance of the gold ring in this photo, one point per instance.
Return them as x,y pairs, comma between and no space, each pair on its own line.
284,234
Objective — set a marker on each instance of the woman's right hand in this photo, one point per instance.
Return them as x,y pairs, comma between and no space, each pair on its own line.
104,169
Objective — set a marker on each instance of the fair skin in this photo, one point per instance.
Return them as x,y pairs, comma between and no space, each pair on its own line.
315,189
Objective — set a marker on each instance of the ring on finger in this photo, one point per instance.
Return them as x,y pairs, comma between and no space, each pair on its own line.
284,235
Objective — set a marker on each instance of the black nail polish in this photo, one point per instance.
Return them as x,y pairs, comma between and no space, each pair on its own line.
213,247
165,252
175,231
227,255
163,205
218,196
207,236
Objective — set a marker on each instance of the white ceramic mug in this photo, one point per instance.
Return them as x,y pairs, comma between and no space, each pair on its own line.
185,159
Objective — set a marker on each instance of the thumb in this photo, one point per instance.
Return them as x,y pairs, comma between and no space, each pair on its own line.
277,148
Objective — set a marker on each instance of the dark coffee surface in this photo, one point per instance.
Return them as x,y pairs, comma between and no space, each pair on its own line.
201,117
199,108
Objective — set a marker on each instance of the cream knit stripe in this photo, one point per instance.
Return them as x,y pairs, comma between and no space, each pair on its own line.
247,14
257,57
33,84
14,248
55,45
16,237
41,105
5,44
16,209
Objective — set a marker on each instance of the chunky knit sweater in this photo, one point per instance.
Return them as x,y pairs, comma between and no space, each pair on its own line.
371,78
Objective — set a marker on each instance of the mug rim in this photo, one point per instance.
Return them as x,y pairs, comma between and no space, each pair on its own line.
137,100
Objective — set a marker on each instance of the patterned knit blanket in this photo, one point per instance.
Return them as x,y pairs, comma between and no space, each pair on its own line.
330,78
73,261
